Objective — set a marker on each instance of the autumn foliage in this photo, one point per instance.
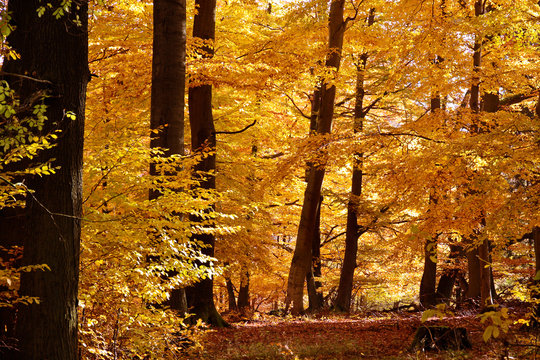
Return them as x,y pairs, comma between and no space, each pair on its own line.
445,135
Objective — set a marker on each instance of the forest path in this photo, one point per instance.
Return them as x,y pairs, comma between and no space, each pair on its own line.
379,336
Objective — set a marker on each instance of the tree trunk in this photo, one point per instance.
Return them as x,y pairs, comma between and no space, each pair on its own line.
352,230
536,283
203,137
479,272
167,98
315,296
486,297
490,103
449,277
473,266
168,80
428,295
243,293
301,261
231,295
55,50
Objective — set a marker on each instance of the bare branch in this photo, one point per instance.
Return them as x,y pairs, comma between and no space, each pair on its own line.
238,131
297,108
3,73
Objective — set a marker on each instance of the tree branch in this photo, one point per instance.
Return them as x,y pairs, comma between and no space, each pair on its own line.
516,99
410,134
3,73
238,131
297,108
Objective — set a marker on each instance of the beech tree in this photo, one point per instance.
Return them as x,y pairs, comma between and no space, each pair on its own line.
200,296
53,48
353,230
301,262
167,99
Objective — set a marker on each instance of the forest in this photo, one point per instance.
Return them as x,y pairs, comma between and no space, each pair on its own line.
269,179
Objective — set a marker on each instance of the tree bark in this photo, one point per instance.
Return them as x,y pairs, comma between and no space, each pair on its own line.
479,271
243,293
168,80
428,295
449,277
473,267
315,296
352,230
203,137
230,295
490,101
301,261
55,50
167,97
428,283
536,283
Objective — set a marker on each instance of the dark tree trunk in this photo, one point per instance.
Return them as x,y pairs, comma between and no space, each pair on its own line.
479,273
243,293
446,286
490,103
449,277
301,262
474,101
231,296
315,296
167,99
535,293
428,295
168,79
55,50
486,297
473,267
352,230
203,137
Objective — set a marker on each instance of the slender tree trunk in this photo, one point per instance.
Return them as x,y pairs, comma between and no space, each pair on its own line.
203,137
486,297
536,242
536,283
55,50
167,98
352,230
479,273
301,262
490,102
428,293
315,296
316,263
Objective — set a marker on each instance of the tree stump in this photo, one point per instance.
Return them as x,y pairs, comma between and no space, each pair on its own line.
437,338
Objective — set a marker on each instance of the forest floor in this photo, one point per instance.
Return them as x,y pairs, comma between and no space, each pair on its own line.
384,335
